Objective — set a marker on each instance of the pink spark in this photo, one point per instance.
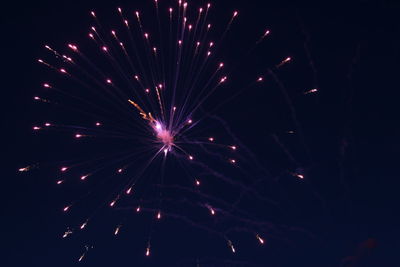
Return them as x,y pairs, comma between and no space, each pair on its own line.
83,225
46,85
66,208
311,91
60,181
116,230
212,211
36,128
73,47
260,239
98,124
128,191
159,215
63,169
109,81
211,139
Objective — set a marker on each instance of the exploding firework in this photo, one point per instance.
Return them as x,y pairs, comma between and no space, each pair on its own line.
136,95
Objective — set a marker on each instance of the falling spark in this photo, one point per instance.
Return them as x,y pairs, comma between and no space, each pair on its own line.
117,230
84,253
212,211
231,246
83,225
260,239
286,60
311,91
24,169
67,233
66,208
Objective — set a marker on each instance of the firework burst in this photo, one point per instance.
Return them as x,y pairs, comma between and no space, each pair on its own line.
138,91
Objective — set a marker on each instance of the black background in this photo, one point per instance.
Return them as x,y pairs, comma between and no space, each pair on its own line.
350,127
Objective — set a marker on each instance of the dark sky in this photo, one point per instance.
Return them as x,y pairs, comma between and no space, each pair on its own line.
348,149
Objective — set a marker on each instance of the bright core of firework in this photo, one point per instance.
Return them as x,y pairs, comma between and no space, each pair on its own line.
164,135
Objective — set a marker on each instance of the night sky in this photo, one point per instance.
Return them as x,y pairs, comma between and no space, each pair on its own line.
345,211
